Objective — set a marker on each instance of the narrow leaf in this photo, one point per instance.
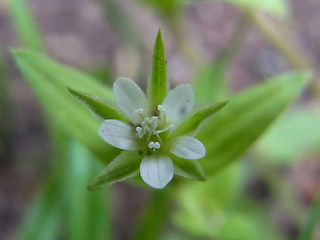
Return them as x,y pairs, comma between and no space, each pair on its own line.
228,135
188,168
279,8
201,113
158,84
61,76
68,114
86,212
124,166
25,25
99,106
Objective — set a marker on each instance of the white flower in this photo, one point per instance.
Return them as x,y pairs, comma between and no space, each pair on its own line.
151,130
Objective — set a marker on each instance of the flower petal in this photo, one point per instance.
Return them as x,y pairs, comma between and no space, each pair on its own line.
179,103
156,171
118,134
188,148
129,97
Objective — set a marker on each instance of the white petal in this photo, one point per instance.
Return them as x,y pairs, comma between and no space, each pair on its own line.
179,103
156,170
129,96
188,148
118,134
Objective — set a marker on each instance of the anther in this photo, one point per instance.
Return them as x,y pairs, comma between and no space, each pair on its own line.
154,145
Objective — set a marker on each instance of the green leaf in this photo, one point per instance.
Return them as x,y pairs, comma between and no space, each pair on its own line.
201,113
25,25
158,84
188,168
228,135
60,105
61,76
124,166
279,8
295,134
209,83
86,212
102,107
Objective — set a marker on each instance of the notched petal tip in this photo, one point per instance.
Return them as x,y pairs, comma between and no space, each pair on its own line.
188,148
156,171
118,134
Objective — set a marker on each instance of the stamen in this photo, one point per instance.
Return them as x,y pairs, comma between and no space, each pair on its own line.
154,145
169,128
163,114
138,113
140,132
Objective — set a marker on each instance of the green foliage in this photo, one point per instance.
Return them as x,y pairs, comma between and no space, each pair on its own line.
99,106
209,83
278,8
86,213
296,133
188,168
124,166
246,117
153,216
158,84
25,25
49,80
200,113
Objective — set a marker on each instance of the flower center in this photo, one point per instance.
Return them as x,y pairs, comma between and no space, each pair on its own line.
149,127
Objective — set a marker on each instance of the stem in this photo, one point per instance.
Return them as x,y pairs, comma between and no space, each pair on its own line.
154,216
313,217
297,59
235,40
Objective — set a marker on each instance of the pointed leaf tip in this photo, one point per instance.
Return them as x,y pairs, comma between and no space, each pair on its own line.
158,83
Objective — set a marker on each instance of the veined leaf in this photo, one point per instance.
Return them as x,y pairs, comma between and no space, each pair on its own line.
124,166
228,135
202,112
63,110
101,107
158,83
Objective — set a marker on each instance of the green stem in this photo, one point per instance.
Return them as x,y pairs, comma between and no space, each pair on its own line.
313,217
297,59
153,217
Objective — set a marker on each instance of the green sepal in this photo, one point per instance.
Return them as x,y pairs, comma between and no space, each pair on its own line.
188,168
201,112
158,83
101,107
124,166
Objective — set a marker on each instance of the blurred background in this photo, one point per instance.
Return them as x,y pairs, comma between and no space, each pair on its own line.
273,186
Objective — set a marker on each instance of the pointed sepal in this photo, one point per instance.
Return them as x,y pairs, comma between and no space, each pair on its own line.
124,166
158,84
201,112
188,168
99,106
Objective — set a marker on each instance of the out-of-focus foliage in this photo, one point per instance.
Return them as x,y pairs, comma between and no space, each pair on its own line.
246,117
295,134
279,8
